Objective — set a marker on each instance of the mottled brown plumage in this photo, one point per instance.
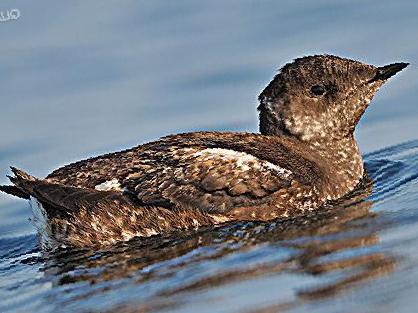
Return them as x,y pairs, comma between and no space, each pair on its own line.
304,157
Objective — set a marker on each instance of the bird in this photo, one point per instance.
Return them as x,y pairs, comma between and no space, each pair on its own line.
303,158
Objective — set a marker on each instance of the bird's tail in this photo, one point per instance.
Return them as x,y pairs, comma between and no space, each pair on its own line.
22,184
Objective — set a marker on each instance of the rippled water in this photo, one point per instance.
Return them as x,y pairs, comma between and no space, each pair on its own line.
357,256
83,78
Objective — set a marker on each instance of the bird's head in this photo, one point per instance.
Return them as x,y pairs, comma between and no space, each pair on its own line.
320,97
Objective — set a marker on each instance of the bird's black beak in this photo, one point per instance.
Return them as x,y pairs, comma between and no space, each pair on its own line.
387,71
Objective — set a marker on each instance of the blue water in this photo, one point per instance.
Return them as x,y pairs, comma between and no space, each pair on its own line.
82,78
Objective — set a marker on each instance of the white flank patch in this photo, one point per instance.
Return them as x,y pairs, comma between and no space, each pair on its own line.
40,221
243,160
109,185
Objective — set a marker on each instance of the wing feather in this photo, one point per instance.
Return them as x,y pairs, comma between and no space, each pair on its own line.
210,179
211,171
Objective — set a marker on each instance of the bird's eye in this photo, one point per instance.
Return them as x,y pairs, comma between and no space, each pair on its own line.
318,90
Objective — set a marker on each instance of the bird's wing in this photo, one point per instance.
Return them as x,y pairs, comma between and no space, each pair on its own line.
211,179
214,172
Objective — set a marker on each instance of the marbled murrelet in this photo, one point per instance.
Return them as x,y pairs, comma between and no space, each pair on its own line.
304,156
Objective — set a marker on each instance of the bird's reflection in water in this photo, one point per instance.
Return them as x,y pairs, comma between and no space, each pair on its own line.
340,238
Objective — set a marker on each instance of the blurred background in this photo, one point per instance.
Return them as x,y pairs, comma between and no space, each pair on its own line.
81,78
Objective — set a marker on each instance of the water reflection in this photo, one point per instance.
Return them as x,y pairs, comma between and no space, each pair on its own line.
338,242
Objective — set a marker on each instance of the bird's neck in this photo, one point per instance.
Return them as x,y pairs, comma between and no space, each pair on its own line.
342,163
340,156
271,124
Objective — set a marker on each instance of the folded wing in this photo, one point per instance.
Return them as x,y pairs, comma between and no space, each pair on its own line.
211,179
